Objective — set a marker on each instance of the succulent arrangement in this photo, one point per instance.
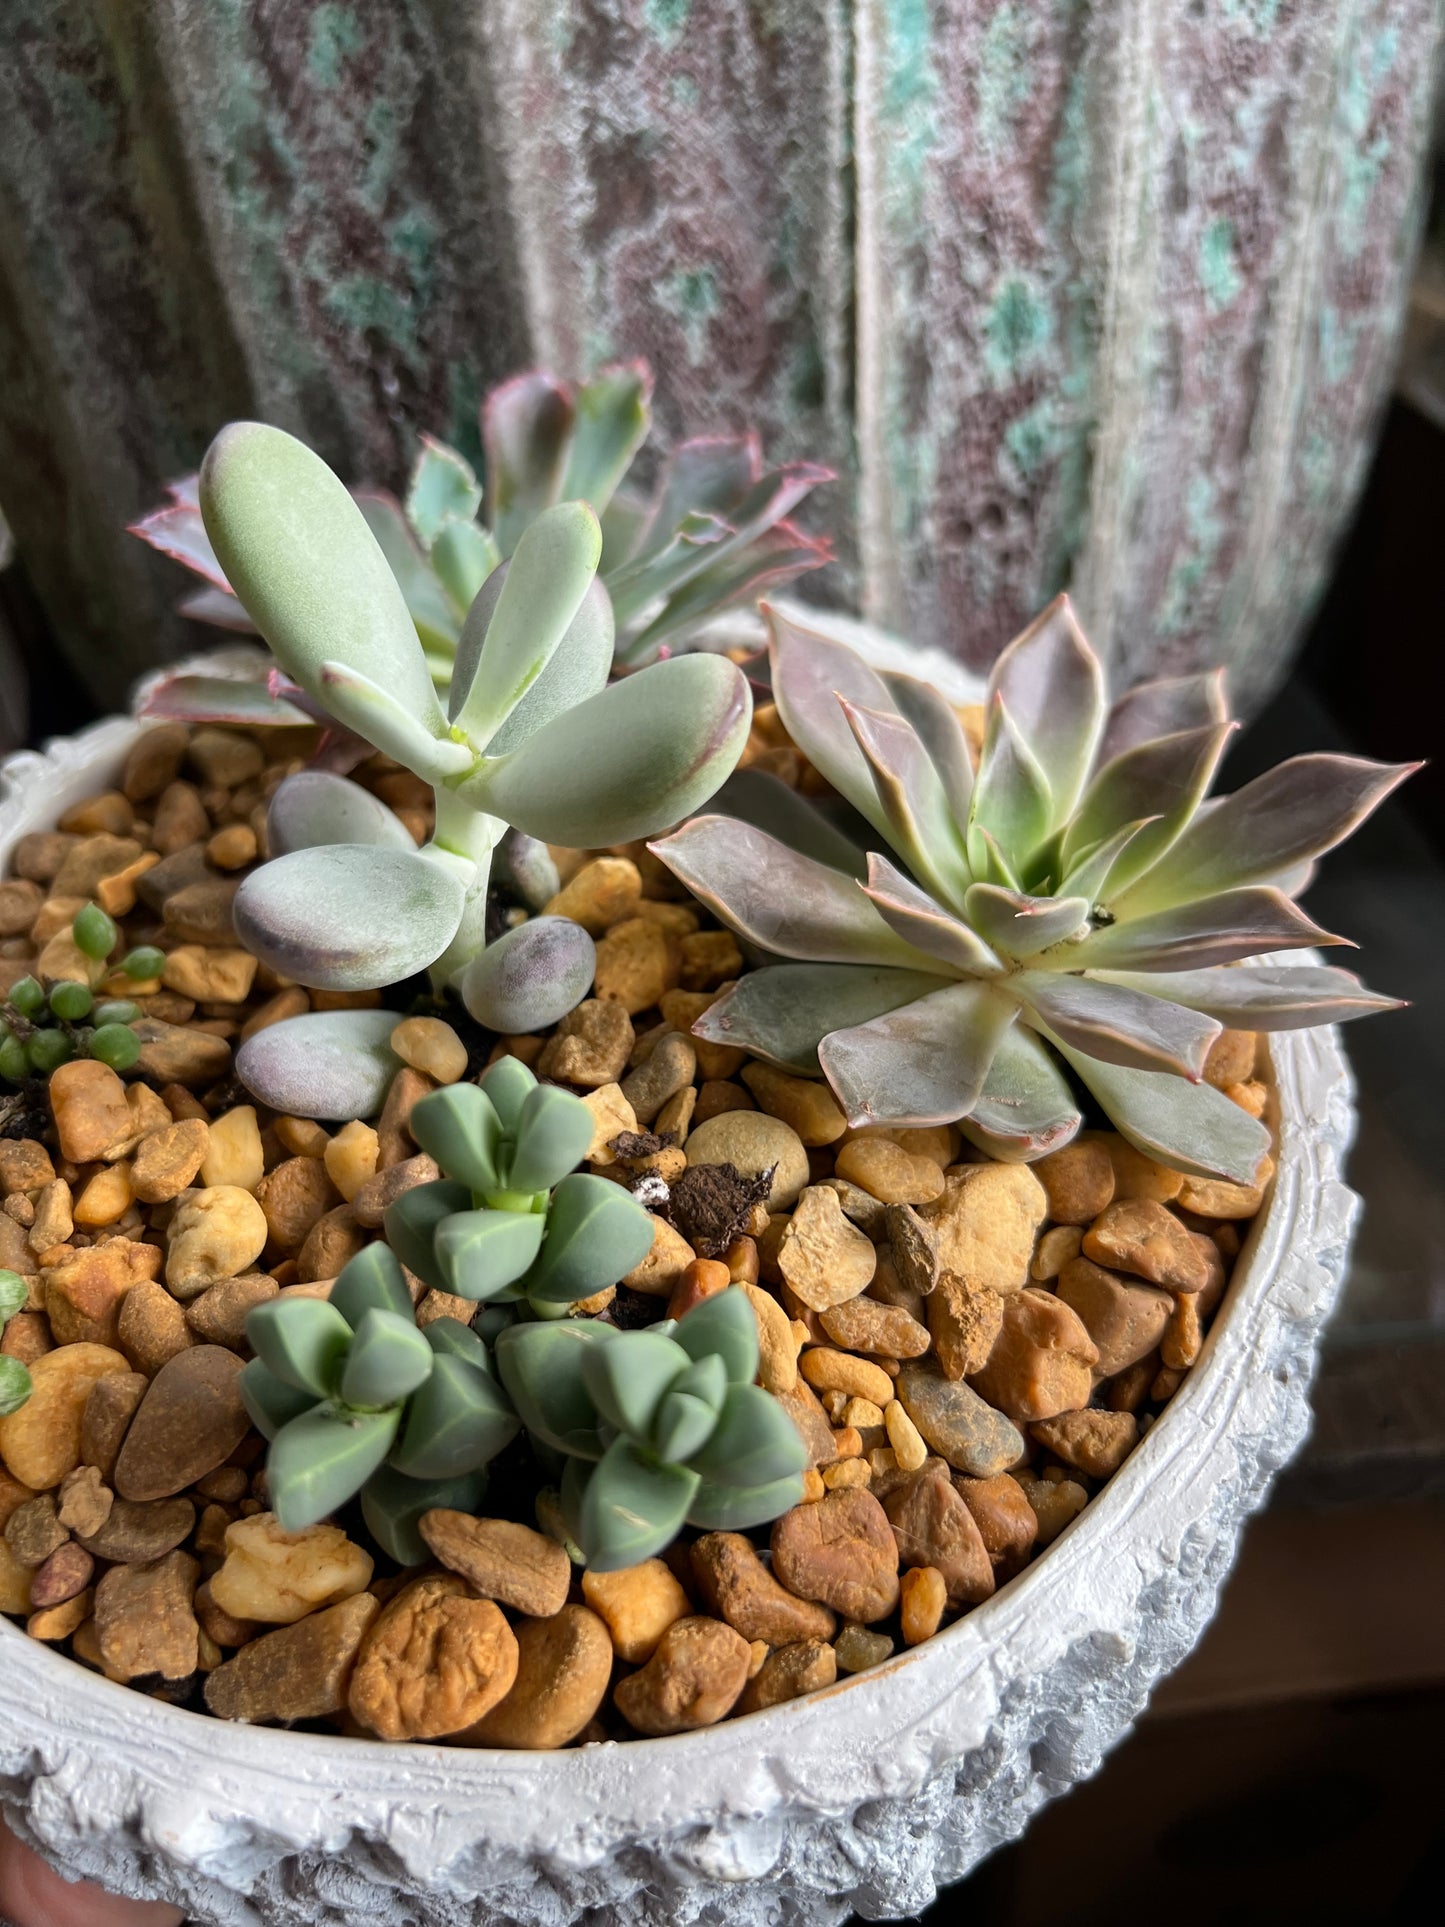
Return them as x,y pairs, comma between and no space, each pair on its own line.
354,1398
15,1383
1077,901
714,532
42,1029
513,1221
534,740
657,1427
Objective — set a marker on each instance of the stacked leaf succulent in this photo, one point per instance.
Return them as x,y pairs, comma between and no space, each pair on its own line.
15,1382
354,1398
533,739
42,1029
1076,901
713,534
513,1221
658,1427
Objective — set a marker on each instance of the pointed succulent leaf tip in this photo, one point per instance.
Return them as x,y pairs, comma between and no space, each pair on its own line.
459,1127
706,1379
627,763
316,807
1163,708
1288,816
1261,996
388,1359
1118,1026
1216,930
301,1341
554,1134
527,427
723,1508
1087,875
542,593
219,699
753,1443
709,475
443,489
737,572
579,667
322,1459
178,531
531,977
361,705
1021,925
482,1252
613,416
371,1281
913,801
1165,780
914,916
682,1425
269,1401
1190,1127
1025,1108
757,797
411,1226
596,1234
431,612
450,1338
508,1084
722,1327
778,899
782,1012
936,721
392,1506
627,1381
541,1368
312,915
630,1507
1053,686
921,1064
296,549
326,1064
809,672
1012,801
456,1422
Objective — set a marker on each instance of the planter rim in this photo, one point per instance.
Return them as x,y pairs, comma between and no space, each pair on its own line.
811,1799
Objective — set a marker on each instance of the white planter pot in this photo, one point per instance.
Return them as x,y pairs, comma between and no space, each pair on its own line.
865,1797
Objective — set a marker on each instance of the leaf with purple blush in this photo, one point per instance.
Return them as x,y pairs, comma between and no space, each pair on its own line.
531,977
1165,780
1025,1108
326,1064
916,918
1118,1025
773,559
526,432
219,609
916,816
709,474
179,532
809,672
219,699
1053,687
922,1064
1262,996
769,804
783,1011
941,733
316,806
1220,929
1163,708
442,489
613,412
1022,925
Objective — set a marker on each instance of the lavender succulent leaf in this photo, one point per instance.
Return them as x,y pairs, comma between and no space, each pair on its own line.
941,733
913,915
912,798
1117,1025
1214,930
220,699
1163,708
923,1063
1021,925
1261,996
1052,686
325,1064
527,427
1026,1108
531,977
1190,1127
1165,780
783,1012
1012,807
756,797
311,915
316,807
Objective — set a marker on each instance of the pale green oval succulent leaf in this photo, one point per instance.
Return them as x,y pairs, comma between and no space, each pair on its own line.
532,868
392,1506
322,1459
554,1133
1262,996
301,1341
754,1442
612,419
784,1011
780,900
628,762
411,1223
508,1084
941,733
1053,687
312,915
482,1252
297,551
315,806
541,1367
733,1508
1119,1026
1163,708
630,1507
389,1358
626,1380
432,612
325,1064
922,1064
458,1126
920,825
531,976
722,1327
580,668
1025,1108
913,915
456,1422
596,1234
463,556
1012,801
270,1402
1021,925
377,716
371,1281
443,489
1216,930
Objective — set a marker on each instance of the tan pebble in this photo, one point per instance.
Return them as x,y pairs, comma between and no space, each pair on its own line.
302,1672
218,1316
1078,1181
840,1552
1004,1518
210,973
39,854
111,811
1251,1096
1217,1198
904,1437
741,1259
233,1152
777,1354
1055,1504
824,1259
1231,1058
669,1068
590,1046
603,892
752,1142
294,1197
40,1442
105,1198
1167,1381
20,903
394,1140
64,1575
53,1623
25,1165
1056,1249
117,894
661,1271
1094,1443
788,1674
226,1631
85,1500
233,847
692,1680
350,1157
611,1116
564,1667
736,1585
804,1103
889,1173
1183,1338
964,1321
432,1047
933,1527
224,758
847,1472
188,1423
709,959
813,1486
215,1233
167,1161
1042,1361
856,1649
14,1582
924,1598
154,760
1137,1176
227,1485
302,1136
109,1409
682,1009
861,1413
637,1604
637,961
330,1245
291,1002
95,856
703,1278
54,1217
828,1370
1124,1319
378,1194
148,1112
144,1619
1145,1238
151,1328
502,1560
863,1325
278,1577
53,919
1126,1391
180,1053
27,1337
715,1098
434,1660
986,1223
33,1531
88,1102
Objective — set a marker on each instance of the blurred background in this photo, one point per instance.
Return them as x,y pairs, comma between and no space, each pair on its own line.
1124,298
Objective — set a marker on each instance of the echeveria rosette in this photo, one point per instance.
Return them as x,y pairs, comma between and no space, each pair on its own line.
513,1221
354,1398
1078,897
659,1427
715,532
533,738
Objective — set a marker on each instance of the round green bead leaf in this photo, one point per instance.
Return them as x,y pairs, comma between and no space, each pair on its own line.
554,1133
71,1002
302,1341
14,1295
270,1402
482,1252
392,1506
27,994
95,933
117,1010
371,1281
144,962
411,1224
627,1378
630,1508
541,1366
596,1233
115,1045
459,1127
389,1358
753,1443
14,1064
457,1421
15,1385
47,1050
723,1324
320,1460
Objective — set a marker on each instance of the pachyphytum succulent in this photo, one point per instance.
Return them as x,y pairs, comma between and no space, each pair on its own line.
514,1221
533,739
713,534
1076,901
354,1398
658,1427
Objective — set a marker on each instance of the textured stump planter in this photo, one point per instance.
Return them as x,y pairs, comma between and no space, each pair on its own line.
864,1796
